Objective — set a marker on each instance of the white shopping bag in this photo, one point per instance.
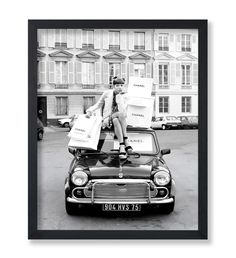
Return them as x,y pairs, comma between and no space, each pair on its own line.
91,140
140,115
83,127
140,87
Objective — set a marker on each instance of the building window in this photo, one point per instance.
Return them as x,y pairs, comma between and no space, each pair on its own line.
62,105
185,43
88,102
139,41
163,76
186,76
114,40
163,43
186,104
61,38
88,39
163,104
61,72
88,73
139,70
114,70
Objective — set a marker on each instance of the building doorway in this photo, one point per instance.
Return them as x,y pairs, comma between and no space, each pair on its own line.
42,109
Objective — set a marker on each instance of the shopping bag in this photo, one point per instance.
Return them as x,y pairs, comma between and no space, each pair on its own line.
83,127
139,112
140,87
91,140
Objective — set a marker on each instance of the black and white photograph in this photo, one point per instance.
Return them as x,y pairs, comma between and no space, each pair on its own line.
120,129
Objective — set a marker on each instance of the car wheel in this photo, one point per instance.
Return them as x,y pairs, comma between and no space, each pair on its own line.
71,208
66,125
40,136
163,127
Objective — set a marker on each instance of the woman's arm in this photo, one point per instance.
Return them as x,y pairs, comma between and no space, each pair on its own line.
98,105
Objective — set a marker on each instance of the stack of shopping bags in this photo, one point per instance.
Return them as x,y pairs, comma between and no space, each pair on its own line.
86,132
140,103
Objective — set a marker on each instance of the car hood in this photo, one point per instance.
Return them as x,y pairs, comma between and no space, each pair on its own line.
112,167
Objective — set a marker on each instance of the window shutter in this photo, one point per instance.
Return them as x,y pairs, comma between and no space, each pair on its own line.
106,73
51,77
178,74
98,73
155,73
78,72
195,73
70,38
42,72
131,69
171,42
105,40
78,40
123,40
178,42
149,70
172,73
148,40
131,40
194,43
156,41
71,72
51,38
41,34
97,39
124,71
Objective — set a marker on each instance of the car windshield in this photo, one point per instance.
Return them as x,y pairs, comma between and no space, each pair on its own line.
142,143
171,118
193,119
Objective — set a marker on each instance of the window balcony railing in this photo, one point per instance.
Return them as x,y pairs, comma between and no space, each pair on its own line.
139,47
61,86
60,45
88,86
114,47
186,49
163,48
163,86
87,46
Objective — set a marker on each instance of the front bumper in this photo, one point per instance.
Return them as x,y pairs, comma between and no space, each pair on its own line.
93,199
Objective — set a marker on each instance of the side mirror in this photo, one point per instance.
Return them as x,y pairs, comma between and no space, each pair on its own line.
165,151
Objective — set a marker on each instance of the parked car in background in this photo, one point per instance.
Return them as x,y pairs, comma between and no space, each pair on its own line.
166,122
73,120
100,179
40,129
189,122
65,122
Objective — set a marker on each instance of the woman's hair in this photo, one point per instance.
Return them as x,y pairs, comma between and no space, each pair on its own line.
117,80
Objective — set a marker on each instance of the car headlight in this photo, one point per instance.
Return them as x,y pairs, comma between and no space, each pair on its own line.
79,177
162,177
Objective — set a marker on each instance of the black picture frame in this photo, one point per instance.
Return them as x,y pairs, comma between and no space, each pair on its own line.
33,232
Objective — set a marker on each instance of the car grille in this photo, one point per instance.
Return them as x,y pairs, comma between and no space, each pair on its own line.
116,191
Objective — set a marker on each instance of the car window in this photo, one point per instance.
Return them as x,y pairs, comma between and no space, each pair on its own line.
143,143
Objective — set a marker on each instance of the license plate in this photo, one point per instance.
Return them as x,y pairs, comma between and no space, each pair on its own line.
121,207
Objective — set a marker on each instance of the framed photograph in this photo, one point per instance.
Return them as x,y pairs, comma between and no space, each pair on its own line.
117,115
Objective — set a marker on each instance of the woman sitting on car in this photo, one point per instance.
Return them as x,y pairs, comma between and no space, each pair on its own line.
115,111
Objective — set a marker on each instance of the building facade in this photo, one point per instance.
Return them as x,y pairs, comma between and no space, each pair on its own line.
75,66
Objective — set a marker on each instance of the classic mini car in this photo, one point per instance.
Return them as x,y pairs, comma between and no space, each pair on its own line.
100,179
188,122
166,122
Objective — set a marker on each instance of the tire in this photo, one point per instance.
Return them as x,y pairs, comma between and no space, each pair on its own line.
66,125
40,135
71,208
163,127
